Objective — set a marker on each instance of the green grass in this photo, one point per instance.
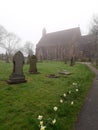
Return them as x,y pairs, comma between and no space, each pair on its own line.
95,66
21,104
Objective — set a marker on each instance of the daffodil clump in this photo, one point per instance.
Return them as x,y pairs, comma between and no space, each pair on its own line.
50,121
65,98
41,123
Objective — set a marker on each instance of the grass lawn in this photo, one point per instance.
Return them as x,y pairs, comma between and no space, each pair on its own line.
95,66
21,104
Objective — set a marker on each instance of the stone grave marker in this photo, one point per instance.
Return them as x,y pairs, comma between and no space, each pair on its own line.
17,75
53,76
65,72
33,67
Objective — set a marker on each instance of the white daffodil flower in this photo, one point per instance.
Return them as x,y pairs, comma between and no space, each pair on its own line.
77,90
53,121
41,123
55,108
61,101
74,84
64,94
43,128
40,117
69,92
72,103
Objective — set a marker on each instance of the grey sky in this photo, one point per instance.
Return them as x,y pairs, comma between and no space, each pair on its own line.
27,18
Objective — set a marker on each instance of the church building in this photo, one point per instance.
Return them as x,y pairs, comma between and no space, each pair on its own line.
60,45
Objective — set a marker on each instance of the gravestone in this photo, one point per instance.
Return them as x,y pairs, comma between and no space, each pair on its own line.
53,76
65,72
17,75
33,67
72,61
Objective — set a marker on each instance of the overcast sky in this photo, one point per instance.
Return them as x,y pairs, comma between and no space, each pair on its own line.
27,18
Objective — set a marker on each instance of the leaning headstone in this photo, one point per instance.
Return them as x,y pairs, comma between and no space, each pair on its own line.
17,75
33,67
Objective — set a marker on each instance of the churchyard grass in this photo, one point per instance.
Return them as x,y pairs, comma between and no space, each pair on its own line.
21,104
95,66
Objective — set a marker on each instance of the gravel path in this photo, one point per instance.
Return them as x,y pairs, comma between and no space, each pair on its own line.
88,117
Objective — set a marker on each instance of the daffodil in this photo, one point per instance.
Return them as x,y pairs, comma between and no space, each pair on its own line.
41,123
55,108
61,101
40,117
43,128
69,92
74,84
53,121
72,103
64,94
77,90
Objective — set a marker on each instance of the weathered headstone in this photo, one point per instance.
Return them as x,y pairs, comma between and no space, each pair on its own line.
33,67
17,75
72,61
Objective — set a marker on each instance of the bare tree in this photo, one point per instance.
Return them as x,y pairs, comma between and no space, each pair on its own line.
3,33
28,48
10,44
94,31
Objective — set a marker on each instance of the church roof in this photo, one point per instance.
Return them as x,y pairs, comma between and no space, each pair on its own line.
60,37
87,39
